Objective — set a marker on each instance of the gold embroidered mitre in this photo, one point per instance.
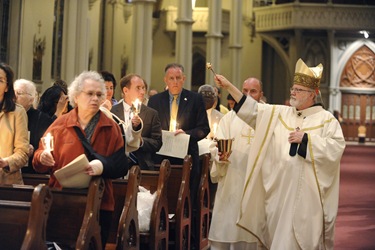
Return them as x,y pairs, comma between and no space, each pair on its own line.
308,77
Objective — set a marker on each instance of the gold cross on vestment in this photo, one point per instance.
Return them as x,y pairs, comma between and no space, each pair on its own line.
248,136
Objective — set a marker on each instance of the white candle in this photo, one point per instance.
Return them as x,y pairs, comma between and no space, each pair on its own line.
137,106
173,125
47,141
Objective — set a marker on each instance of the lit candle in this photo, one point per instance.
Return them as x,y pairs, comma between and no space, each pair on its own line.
137,106
173,125
48,142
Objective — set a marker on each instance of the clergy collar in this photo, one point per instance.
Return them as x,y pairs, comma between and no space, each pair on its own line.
309,111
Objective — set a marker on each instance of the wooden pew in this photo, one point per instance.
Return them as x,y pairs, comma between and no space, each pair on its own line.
35,179
179,204
23,216
74,215
157,181
124,233
204,203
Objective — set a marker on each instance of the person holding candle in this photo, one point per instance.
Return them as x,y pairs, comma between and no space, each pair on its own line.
14,143
291,191
133,90
108,159
230,177
38,122
186,108
209,97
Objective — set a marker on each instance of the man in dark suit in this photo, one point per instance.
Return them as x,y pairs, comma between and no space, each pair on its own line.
191,119
133,88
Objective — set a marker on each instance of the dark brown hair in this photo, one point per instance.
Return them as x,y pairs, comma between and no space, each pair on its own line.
9,102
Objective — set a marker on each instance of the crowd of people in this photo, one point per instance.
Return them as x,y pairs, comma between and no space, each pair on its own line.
278,190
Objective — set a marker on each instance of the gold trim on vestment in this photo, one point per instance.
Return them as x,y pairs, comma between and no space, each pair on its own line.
252,171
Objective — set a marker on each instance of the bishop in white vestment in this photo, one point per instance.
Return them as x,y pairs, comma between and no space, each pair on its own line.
291,190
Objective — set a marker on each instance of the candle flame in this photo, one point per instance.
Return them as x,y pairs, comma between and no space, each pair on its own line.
136,105
173,125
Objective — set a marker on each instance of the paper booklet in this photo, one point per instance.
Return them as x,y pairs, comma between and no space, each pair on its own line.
174,145
73,174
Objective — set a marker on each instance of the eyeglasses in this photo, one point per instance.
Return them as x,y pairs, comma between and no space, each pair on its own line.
91,94
299,90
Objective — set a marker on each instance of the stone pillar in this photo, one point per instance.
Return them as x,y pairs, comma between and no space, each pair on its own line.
141,56
106,58
214,37
235,42
334,79
75,52
184,38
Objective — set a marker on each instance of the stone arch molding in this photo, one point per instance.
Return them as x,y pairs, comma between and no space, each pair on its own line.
353,48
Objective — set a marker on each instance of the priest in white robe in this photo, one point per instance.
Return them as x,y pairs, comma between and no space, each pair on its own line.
294,161
230,176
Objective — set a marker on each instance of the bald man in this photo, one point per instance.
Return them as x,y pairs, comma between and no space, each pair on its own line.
230,176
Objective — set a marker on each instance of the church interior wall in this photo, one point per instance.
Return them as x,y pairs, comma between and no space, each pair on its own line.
37,20
94,16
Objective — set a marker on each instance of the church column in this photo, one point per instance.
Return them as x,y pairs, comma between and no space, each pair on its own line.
235,42
334,77
75,53
214,37
141,56
184,38
106,57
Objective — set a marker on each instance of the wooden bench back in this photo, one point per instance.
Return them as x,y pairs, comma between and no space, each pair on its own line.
204,203
35,179
124,233
157,181
23,216
74,214
179,204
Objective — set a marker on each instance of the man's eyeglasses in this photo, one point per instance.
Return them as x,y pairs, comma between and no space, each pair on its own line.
297,90
91,94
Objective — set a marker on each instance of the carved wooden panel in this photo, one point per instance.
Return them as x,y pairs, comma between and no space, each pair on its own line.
358,107
359,71
356,110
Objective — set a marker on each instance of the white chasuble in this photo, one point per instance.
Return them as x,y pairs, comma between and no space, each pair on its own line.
291,202
230,178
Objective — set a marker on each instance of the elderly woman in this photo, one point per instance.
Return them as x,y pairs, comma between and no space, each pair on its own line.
108,160
14,144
